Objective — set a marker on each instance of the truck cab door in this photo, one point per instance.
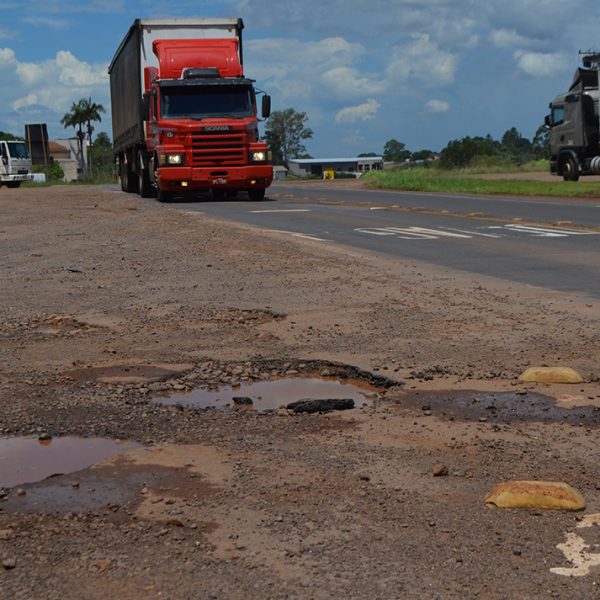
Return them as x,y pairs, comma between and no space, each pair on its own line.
4,158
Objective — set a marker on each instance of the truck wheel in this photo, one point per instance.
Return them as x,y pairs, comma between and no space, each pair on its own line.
164,196
128,178
13,184
256,195
570,169
144,186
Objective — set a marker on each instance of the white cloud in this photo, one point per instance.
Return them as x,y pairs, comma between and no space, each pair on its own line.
29,100
422,60
347,81
437,106
46,22
292,69
505,38
30,73
45,90
8,58
540,64
361,112
6,34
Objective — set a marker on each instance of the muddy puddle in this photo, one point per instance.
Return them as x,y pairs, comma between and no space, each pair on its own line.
153,481
264,396
500,407
28,459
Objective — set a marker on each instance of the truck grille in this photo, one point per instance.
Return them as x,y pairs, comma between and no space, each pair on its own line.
221,149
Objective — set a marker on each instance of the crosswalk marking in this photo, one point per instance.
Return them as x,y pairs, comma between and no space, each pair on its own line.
411,233
547,231
425,233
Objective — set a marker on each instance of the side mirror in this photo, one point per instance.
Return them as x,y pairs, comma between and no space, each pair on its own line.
4,154
146,107
547,121
266,106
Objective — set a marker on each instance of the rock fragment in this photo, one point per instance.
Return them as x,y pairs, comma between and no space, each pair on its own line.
550,375
320,405
548,495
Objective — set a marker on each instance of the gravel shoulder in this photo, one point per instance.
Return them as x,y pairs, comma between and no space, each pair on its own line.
108,300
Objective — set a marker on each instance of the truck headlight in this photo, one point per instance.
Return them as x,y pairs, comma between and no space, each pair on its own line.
258,156
172,160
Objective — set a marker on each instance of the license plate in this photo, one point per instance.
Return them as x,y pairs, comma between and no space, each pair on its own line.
219,181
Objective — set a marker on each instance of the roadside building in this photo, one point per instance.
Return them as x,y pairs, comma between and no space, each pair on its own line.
302,167
279,172
66,154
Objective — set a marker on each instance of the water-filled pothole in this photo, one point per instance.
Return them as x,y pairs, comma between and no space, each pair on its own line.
265,396
500,407
27,459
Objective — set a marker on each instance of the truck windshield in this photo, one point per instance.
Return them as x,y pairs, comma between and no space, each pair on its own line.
200,102
18,149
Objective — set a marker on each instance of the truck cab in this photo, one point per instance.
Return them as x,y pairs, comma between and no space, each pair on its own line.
15,163
574,128
185,116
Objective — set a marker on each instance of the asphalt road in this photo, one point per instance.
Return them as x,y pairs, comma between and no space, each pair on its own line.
553,243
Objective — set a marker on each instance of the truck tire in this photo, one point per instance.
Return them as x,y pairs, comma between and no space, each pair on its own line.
164,196
256,195
127,176
570,169
13,184
144,186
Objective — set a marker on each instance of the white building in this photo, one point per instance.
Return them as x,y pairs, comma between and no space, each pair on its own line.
301,167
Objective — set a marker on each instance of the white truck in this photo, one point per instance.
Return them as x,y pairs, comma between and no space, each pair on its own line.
15,163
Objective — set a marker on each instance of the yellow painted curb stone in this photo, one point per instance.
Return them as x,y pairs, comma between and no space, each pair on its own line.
549,495
551,375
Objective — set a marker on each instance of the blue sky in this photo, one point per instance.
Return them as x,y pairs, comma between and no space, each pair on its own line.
365,71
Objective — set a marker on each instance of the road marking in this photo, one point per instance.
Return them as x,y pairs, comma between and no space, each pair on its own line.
281,210
547,231
378,207
305,236
411,233
577,550
491,235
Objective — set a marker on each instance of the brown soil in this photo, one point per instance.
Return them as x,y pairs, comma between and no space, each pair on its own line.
107,300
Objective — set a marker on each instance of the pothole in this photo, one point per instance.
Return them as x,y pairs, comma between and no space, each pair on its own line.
500,407
28,459
264,396
127,373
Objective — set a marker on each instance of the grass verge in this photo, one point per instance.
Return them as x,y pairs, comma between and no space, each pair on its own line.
435,180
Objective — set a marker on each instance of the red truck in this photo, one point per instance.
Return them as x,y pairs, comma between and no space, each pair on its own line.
184,115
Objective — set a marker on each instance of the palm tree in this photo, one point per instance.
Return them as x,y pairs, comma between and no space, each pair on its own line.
84,112
74,118
90,112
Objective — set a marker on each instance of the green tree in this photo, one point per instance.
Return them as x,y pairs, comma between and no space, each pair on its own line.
367,154
422,155
285,132
91,114
75,118
395,151
462,153
84,112
102,153
541,142
9,137
516,148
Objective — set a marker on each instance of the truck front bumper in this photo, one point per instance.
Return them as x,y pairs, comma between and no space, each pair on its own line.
20,177
249,177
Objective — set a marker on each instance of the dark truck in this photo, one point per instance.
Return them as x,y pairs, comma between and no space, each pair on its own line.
574,124
184,115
